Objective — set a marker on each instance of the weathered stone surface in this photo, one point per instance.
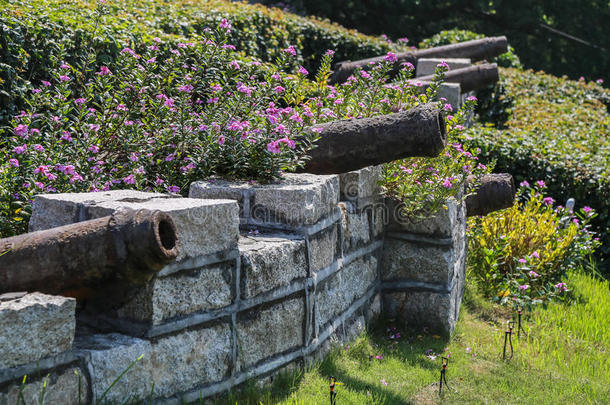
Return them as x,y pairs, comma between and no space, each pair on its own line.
437,311
441,225
323,248
337,293
360,185
380,217
298,199
353,327
219,217
427,66
270,261
62,387
182,293
190,358
356,227
110,355
373,310
35,326
53,210
403,260
262,333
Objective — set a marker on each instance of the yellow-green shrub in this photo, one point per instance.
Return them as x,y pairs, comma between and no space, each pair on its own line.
520,254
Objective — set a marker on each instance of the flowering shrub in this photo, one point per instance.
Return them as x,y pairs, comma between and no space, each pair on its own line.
556,130
519,255
172,114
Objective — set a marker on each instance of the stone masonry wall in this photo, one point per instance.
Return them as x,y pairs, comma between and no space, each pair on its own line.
268,276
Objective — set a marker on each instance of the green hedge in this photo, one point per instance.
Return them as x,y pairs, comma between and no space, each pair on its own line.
557,130
33,32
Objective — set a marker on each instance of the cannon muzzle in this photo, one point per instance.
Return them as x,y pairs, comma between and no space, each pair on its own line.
352,144
475,50
495,192
128,247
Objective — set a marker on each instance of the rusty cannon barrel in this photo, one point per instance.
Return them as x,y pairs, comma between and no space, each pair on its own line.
494,192
127,248
352,144
475,50
470,78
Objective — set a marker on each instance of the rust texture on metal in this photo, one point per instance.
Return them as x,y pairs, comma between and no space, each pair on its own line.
128,247
470,78
494,192
475,50
352,144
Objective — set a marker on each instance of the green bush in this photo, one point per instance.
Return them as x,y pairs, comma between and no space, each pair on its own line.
519,255
557,130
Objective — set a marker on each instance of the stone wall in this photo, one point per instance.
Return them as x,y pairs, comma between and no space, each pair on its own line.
268,276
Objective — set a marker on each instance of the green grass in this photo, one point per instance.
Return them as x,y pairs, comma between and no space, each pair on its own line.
563,360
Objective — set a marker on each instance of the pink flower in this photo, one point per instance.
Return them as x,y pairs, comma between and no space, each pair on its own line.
242,88
234,64
536,255
379,357
39,185
442,65
173,189
279,89
403,40
187,88
38,148
212,100
303,71
524,184
290,50
447,183
64,78
45,83
522,260
64,65
533,274
289,142
225,25
221,140
472,98
129,179
541,183
384,382
274,147
317,129
587,210
390,57
13,162
66,137
329,52
561,287
548,200
159,181
104,71
18,150
523,287
448,107
21,130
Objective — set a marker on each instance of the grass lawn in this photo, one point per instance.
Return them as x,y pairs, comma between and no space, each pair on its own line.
565,359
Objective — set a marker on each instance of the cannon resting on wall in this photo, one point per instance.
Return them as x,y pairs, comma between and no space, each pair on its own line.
127,248
476,50
353,144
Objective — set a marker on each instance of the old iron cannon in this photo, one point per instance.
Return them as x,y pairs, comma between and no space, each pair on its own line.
493,192
127,248
470,78
476,50
352,144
